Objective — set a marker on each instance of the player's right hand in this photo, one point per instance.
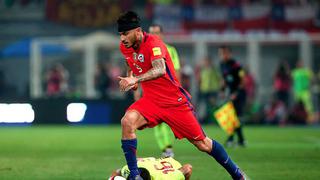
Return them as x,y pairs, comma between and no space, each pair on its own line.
127,83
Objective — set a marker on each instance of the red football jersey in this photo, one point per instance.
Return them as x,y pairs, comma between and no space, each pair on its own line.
164,91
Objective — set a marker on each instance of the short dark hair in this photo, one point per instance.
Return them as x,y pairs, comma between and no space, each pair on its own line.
144,173
157,25
127,21
225,47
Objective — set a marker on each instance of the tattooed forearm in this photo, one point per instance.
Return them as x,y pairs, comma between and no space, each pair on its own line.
158,69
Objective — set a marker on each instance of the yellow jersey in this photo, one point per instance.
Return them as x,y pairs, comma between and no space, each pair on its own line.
159,169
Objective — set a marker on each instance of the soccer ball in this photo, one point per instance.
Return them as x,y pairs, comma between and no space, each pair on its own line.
116,178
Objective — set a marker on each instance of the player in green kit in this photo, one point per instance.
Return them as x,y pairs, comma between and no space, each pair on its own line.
302,79
163,132
158,169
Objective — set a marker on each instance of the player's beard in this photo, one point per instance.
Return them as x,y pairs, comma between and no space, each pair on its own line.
137,42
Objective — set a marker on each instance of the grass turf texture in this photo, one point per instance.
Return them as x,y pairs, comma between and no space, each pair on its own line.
92,152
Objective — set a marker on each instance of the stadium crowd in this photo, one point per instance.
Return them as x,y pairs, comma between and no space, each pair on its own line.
294,97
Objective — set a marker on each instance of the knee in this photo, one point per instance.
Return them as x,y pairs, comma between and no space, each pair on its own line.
127,122
204,145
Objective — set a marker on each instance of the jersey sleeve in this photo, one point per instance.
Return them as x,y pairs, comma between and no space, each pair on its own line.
157,50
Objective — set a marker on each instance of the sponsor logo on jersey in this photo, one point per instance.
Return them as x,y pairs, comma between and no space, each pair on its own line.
135,55
141,58
156,51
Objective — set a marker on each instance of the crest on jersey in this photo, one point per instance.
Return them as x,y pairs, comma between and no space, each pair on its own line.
141,58
156,51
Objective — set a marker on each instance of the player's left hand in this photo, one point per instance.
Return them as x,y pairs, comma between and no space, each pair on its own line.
127,83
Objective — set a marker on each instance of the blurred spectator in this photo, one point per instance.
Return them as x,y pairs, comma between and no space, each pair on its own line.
164,2
114,72
102,80
282,83
252,107
57,80
275,112
302,79
249,86
316,91
186,74
210,83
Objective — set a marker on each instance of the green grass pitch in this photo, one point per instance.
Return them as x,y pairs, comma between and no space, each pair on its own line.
92,152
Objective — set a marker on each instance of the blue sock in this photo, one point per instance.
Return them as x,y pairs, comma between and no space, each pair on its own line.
221,156
129,148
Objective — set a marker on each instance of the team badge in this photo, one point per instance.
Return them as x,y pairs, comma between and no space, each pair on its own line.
141,58
156,51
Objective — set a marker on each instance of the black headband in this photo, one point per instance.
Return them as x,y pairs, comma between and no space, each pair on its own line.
122,27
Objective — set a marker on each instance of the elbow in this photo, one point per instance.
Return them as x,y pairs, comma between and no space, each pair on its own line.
163,72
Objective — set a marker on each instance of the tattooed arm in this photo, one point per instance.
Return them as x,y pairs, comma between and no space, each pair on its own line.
158,69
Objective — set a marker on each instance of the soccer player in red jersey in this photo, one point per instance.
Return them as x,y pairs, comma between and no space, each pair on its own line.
163,99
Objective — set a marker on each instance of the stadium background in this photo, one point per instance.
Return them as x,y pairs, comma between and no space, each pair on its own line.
81,37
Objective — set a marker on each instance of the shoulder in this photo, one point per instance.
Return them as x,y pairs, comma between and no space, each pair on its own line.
155,46
152,40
